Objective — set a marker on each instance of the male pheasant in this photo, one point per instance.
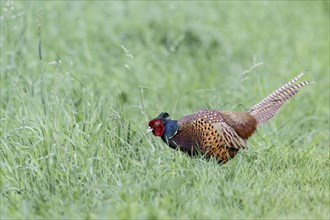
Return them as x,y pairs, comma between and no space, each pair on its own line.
220,134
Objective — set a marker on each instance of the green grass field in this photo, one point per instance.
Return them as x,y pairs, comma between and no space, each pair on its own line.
80,81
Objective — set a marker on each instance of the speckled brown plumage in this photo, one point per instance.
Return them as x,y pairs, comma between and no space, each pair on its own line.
220,134
214,133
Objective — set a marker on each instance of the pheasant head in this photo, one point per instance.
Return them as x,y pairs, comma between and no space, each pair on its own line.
163,127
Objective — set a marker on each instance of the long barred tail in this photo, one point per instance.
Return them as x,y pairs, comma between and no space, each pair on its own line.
267,107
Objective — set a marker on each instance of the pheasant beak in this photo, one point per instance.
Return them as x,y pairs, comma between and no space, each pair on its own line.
149,130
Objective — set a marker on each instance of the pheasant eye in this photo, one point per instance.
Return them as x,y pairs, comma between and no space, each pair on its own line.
157,123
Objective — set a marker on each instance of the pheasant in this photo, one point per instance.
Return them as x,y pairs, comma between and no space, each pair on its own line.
220,134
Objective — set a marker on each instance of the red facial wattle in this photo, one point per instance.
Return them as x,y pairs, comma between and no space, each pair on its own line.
157,126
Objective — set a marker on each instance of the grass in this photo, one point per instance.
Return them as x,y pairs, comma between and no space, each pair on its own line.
74,110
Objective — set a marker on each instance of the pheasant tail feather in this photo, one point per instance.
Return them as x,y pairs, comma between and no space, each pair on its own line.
267,107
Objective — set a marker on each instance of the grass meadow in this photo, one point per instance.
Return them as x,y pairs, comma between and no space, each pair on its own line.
81,79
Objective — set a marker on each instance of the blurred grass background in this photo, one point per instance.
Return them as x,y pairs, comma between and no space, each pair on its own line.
81,79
